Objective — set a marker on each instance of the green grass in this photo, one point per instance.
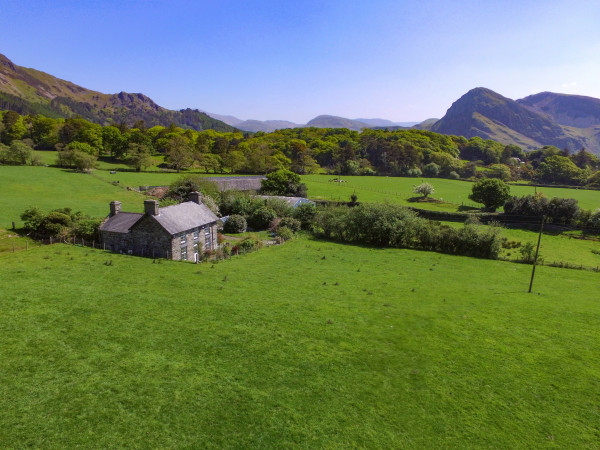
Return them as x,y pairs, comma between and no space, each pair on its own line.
311,344
399,189
47,188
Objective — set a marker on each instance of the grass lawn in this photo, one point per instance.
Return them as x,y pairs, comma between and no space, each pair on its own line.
47,188
399,189
310,344
557,247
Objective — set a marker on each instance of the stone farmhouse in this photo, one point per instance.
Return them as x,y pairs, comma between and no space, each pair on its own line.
181,232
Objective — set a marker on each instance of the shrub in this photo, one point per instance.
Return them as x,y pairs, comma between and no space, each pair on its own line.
54,223
527,252
285,233
415,172
289,222
595,219
235,224
283,182
237,202
492,192
88,228
280,206
305,213
261,218
181,188
395,226
562,210
500,171
431,170
425,189
249,244
32,218
453,175
528,205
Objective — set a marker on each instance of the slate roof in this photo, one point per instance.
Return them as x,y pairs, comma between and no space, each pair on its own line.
121,222
184,216
244,183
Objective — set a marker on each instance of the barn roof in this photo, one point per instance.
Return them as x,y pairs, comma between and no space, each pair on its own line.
184,216
121,222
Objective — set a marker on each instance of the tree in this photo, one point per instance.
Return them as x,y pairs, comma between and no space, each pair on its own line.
179,153
560,169
425,189
19,153
283,182
139,157
492,192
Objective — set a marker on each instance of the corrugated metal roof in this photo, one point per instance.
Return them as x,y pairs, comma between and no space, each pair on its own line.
184,216
121,222
292,201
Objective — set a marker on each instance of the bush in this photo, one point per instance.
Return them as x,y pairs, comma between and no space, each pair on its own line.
283,182
395,226
595,219
261,218
415,172
280,206
32,218
235,224
492,192
249,245
305,213
289,222
431,170
181,188
54,224
285,233
453,175
237,202
425,189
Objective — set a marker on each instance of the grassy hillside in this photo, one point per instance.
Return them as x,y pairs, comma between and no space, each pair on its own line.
48,188
398,190
311,344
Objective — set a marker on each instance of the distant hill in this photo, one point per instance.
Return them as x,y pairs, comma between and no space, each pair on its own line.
29,91
485,113
265,125
325,121
569,110
381,123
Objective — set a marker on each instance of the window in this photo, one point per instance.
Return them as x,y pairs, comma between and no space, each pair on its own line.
183,239
207,239
196,235
184,253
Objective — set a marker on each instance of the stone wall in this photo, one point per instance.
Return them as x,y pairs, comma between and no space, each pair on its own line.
147,238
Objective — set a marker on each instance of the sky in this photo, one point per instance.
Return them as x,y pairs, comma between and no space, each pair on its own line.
294,60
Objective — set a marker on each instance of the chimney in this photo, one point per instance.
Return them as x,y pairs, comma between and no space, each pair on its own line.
115,208
151,207
195,197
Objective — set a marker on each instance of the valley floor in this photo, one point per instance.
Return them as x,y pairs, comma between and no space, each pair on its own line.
307,344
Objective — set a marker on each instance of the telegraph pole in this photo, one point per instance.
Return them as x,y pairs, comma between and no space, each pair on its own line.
537,250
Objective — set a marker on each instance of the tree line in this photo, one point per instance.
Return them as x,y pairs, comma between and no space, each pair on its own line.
414,153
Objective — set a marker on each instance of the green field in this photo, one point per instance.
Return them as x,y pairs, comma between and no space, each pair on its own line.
311,344
47,188
399,189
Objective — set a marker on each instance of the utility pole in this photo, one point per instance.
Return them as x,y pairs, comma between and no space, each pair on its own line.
537,250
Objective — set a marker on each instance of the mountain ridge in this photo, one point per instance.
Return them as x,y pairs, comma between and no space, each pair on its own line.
30,91
489,115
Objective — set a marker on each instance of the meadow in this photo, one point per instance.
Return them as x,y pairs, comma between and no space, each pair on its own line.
47,188
309,344
454,193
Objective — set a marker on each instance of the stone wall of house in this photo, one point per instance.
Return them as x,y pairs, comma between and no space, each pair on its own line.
188,243
148,238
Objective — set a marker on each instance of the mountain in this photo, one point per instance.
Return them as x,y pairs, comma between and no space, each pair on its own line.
229,120
569,110
336,122
29,91
487,114
382,123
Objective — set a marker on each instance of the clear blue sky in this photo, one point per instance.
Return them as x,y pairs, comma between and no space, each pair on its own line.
279,59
